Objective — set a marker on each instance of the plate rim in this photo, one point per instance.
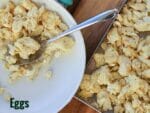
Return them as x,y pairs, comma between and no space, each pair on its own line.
68,99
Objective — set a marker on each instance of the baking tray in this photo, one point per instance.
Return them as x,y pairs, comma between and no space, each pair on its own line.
91,63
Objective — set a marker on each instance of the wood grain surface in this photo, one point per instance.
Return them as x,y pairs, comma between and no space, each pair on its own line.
76,106
74,6
87,9
82,10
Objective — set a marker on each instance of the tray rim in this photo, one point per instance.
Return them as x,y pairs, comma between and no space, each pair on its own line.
119,7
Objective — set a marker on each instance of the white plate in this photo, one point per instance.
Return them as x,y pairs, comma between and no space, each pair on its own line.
49,96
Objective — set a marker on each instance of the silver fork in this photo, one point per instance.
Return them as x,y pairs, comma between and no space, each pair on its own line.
104,16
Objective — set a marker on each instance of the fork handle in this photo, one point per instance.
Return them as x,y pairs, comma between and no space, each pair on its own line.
104,16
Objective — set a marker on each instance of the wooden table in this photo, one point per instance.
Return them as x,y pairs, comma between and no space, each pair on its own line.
82,10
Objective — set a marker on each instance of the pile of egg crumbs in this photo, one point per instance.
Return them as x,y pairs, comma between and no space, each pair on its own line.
21,26
121,81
